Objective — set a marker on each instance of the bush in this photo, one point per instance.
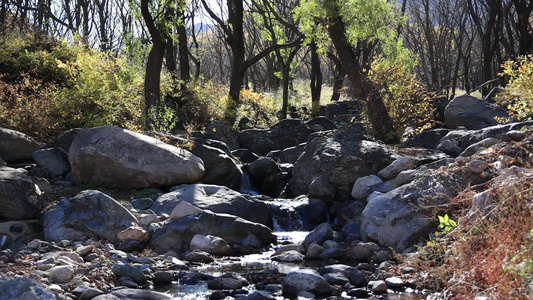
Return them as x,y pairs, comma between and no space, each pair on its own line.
517,97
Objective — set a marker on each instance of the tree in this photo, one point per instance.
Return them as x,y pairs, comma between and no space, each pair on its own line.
347,23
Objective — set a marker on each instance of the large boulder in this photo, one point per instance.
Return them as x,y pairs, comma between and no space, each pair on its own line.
64,139
53,160
88,214
285,134
222,131
341,156
177,234
23,288
16,146
403,216
307,280
119,158
215,198
471,112
220,168
18,195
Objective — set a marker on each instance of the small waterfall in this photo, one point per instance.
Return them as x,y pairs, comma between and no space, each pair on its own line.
246,185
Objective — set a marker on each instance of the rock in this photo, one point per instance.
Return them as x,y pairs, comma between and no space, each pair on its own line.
291,256
61,274
257,295
222,283
119,158
245,156
356,277
163,278
394,283
351,231
400,164
405,177
471,112
131,246
320,188
90,293
285,134
306,280
362,186
220,168
222,131
211,244
147,219
214,198
133,294
313,251
53,160
378,286
381,256
84,250
124,270
177,234
142,203
472,149
184,208
199,256
64,140
134,233
342,157
23,288
319,235
428,139
336,278
18,195
320,124
16,146
363,251
516,135
477,166
300,214
90,213
263,167
274,185
288,155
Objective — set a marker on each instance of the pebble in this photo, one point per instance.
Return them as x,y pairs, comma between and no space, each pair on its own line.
378,286
61,274
477,166
394,283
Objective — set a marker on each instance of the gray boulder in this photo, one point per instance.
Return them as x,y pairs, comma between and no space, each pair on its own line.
428,139
342,157
319,235
285,134
64,140
210,244
402,217
320,188
220,168
221,131
125,270
299,214
215,198
471,112
289,155
22,288
177,234
133,294
53,160
18,195
90,213
263,167
363,186
115,157
307,280
16,146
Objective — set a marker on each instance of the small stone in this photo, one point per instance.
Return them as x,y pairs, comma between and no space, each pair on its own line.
291,256
147,219
34,244
84,250
358,293
305,295
378,286
142,203
61,274
90,293
90,257
199,256
408,270
477,166
516,135
394,283
134,233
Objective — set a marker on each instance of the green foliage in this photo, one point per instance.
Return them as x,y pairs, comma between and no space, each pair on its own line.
518,95
64,86
446,224
408,101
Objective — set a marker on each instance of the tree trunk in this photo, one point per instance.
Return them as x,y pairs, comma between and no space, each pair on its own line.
316,81
338,80
183,50
365,89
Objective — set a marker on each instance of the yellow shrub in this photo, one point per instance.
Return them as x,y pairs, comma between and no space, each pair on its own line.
517,97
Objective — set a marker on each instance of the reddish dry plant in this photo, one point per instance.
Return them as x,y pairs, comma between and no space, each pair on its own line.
493,253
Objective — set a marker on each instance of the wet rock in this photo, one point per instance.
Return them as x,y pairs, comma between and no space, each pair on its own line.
306,280
320,188
319,235
163,278
215,198
291,256
18,198
301,213
133,294
210,244
336,278
115,157
16,146
53,160
313,251
124,270
61,274
394,283
257,295
400,164
225,283
90,213
199,256
358,293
